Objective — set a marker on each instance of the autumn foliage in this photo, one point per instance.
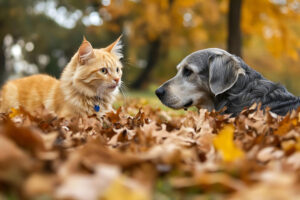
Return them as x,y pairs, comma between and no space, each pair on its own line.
141,153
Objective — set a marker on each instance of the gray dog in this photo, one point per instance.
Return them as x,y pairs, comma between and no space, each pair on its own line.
213,78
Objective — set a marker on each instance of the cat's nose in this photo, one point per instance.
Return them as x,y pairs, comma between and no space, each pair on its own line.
117,80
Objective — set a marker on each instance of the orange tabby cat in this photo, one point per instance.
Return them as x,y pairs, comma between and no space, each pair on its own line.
88,85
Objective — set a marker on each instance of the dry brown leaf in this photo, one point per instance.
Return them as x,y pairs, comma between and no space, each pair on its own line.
136,150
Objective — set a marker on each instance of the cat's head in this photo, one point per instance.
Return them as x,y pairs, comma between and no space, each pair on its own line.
98,72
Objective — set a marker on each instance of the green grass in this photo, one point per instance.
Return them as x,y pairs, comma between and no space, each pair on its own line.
146,97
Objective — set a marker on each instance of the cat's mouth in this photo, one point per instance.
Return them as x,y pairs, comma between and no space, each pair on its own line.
113,86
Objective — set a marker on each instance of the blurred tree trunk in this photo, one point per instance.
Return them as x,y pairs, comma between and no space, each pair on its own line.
234,38
153,55
152,59
2,62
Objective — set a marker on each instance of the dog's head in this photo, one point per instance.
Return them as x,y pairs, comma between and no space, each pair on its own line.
201,76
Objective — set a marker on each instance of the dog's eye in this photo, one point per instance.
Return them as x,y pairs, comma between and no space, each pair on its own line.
187,72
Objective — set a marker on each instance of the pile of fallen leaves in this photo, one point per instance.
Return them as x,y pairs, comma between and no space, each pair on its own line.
141,153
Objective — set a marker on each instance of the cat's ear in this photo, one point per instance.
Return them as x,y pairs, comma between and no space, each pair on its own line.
116,48
85,51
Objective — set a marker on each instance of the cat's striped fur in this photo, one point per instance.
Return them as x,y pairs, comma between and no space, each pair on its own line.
92,77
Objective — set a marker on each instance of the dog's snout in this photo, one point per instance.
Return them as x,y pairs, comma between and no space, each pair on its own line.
160,92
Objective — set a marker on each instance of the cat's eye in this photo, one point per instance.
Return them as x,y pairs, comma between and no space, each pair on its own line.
117,69
187,72
104,70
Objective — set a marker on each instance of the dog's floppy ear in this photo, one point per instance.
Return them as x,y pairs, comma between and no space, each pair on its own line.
224,71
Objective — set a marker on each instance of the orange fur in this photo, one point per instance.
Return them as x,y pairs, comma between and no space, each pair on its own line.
92,77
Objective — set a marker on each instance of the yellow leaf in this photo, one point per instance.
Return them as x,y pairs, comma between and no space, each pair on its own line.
294,122
14,112
119,190
224,143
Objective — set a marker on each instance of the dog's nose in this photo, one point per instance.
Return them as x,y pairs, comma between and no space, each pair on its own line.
160,92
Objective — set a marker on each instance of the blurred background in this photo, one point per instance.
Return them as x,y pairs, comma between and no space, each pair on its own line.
40,36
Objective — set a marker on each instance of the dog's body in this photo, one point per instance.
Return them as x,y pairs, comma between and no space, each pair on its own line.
213,78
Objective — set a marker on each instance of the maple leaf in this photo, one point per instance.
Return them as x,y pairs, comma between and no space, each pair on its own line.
285,126
224,143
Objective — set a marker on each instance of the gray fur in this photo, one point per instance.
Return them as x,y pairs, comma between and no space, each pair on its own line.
223,73
225,80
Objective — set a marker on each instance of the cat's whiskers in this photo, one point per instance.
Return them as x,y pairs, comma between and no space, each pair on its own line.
123,89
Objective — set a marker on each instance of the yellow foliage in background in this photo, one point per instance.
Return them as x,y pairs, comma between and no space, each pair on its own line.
275,22
175,21
181,21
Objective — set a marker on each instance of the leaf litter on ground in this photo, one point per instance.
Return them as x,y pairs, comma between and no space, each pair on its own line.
144,153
